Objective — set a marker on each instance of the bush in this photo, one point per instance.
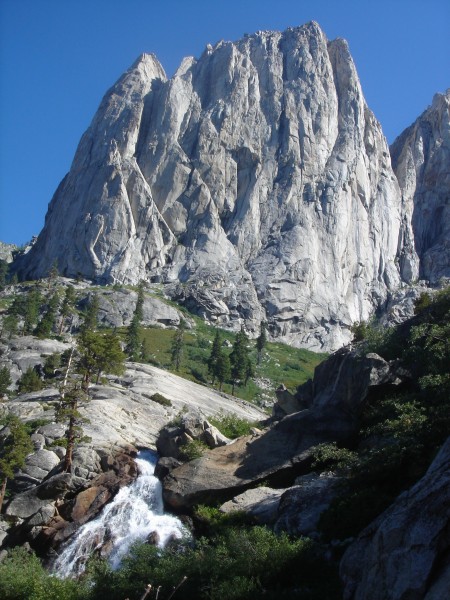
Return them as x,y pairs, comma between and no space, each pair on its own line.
160,399
231,426
192,450
330,457
23,576
239,564
30,382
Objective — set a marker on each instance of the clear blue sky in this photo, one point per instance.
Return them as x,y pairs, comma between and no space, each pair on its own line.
58,58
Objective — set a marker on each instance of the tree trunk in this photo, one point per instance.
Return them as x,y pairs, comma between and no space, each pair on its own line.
99,372
70,445
2,492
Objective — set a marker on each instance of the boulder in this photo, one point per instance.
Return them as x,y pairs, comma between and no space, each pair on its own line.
404,552
301,506
261,504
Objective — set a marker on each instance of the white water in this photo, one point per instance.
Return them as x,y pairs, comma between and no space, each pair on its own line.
135,512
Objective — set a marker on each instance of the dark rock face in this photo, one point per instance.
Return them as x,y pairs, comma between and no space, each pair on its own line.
301,505
405,552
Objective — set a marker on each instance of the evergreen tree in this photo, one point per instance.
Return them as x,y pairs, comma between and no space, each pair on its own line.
53,273
99,353
214,356
91,314
5,381
139,310
15,448
46,325
10,325
223,368
4,268
30,382
239,358
67,411
67,307
261,340
134,346
51,365
249,370
176,350
33,302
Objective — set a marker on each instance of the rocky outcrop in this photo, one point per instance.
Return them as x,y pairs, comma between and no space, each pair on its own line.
420,158
191,426
261,504
301,506
335,397
255,183
404,553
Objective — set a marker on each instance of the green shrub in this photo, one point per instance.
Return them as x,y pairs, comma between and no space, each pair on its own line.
192,450
30,382
330,457
160,399
231,426
22,576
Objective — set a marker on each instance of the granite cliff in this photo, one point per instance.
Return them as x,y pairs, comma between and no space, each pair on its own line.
255,183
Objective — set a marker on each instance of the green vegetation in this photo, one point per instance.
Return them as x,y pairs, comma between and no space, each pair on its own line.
160,399
280,363
30,382
231,425
239,563
400,432
5,381
193,449
99,353
23,576
16,444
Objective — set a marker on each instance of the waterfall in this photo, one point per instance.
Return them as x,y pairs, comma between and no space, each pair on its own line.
135,512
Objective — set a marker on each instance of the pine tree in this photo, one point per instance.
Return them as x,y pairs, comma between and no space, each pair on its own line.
53,273
239,358
30,382
261,340
223,368
99,353
176,350
67,411
4,268
47,323
32,307
67,307
249,370
10,325
134,346
15,448
91,314
214,356
5,381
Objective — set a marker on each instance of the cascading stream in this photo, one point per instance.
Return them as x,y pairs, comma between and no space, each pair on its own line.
135,512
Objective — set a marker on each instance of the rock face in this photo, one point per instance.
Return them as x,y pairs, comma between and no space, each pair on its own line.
335,399
420,157
404,552
256,183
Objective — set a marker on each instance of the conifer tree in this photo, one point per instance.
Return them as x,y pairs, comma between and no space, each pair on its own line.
4,268
10,325
214,356
134,345
48,321
91,314
33,302
176,350
67,307
223,368
14,450
30,382
68,412
5,381
99,353
239,358
261,340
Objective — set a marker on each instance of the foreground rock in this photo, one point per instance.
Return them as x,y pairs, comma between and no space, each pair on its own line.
261,504
404,552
